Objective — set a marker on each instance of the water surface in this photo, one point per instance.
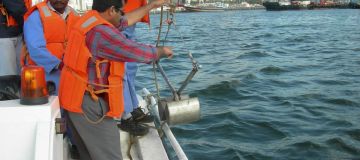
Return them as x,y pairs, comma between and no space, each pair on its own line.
273,85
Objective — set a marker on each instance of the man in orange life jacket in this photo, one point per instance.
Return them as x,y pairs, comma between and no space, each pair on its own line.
91,89
11,23
45,31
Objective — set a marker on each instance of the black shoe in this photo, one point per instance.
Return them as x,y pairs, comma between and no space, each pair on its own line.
140,117
132,127
74,153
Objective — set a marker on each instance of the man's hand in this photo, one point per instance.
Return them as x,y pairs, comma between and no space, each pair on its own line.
164,52
159,3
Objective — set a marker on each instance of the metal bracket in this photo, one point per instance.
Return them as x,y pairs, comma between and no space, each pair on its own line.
60,126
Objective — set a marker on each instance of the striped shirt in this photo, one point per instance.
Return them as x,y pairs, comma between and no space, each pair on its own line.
108,43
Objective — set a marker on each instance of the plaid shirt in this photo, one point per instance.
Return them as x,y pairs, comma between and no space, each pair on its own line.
105,42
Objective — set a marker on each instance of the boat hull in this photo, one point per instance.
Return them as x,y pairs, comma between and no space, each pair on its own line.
203,9
275,6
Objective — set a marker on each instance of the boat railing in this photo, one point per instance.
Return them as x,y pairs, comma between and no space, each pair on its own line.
164,126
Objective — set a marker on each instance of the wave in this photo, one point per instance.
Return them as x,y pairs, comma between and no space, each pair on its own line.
354,134
307,144
355,49
272,70
340,144
221,89
266,35
217,150
342,102
332,82
253,54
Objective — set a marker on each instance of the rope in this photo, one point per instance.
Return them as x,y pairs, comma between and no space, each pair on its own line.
86,82
92,92
94,122
131,142
170,20
97,64
157,44
158,129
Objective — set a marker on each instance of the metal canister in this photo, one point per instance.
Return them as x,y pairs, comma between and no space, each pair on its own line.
183,111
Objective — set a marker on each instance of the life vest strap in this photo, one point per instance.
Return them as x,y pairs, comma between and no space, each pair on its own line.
85,81
10,21
24,55
97,65
94,93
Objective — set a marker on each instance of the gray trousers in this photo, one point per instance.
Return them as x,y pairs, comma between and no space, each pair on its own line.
95,141
10,53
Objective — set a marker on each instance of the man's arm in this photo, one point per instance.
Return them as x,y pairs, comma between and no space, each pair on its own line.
36,43
136,15
108,43
15,8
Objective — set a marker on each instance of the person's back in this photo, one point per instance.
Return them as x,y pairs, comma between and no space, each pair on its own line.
11,22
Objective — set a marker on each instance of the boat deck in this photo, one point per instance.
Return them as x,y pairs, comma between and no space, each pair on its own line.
29,132
147,147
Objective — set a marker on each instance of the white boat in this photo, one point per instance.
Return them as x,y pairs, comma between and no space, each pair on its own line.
207,7
33,132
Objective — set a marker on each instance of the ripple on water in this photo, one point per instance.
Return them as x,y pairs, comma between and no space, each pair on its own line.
342,102
210,150
307,144
354,134
338,123
301,150
253,54
340,145
272,70
222,89
253,130
331,82
356,49
266,35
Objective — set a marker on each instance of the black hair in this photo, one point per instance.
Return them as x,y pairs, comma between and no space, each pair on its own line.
103,5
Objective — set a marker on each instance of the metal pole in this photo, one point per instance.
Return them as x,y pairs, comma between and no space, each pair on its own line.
166,129
176,96
174,143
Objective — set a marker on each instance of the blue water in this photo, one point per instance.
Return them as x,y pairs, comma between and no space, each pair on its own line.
273,85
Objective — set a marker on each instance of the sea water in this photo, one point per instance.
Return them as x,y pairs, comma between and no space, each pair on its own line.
273,85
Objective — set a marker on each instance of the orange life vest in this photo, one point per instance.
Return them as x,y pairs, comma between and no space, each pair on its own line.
55,29
135,4
74,76
10,20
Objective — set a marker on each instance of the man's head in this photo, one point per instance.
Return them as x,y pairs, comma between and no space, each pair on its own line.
111,10
59,5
